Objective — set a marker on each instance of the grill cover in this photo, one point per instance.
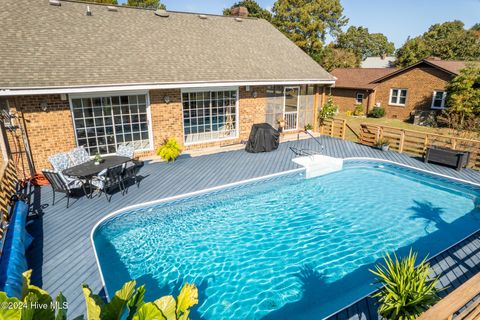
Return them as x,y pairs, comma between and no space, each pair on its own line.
263,138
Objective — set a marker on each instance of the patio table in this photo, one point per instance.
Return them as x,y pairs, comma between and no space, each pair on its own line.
89,169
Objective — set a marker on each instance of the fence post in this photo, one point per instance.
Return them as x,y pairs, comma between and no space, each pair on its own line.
453,142
425,143
332,127
344,128
402,140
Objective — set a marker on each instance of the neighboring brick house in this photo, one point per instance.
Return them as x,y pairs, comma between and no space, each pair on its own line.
402,92
118,75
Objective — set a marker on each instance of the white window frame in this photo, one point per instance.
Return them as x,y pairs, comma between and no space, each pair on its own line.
443,99
116,93
237,114
397,103
356,98
298,104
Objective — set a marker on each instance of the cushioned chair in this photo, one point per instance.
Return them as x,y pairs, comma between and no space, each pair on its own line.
60,162
60,185
79,155
125,151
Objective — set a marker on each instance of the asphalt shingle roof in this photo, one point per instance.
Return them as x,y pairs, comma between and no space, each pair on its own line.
360,78
50,46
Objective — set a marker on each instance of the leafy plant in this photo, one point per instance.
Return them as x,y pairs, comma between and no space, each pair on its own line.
307,127
377,112
170,150
382,142
407,291
34,304
358,111
127,303
328,110
97,157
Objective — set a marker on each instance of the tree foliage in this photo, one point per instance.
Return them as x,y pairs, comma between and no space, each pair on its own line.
448,41
463,100
308,22
331,58
254,10
475,27
365,44
151,4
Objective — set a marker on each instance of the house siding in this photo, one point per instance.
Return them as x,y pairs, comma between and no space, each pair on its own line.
52,131
420,83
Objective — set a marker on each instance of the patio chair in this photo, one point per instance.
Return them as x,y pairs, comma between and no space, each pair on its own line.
78,156
60,162
130,172
125,151
60,185
108,180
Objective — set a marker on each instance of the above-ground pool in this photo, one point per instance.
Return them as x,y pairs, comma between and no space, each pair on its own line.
285,247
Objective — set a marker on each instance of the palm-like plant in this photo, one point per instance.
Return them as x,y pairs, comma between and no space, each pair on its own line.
407,290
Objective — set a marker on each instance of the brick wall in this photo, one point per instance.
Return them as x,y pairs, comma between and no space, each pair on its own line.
346,98
48,131
52,131
420,82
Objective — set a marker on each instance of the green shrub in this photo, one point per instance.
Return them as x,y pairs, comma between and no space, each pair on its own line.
127,303
169,150
307,127
328,110
407,291
358,111
382,142
377,112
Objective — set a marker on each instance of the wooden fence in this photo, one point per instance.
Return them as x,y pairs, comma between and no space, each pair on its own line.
8,184
416,142
334,128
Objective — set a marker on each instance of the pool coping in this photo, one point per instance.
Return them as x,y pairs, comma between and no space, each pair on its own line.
247,181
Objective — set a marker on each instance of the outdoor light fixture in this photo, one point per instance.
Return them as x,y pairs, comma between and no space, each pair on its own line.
254,94
44,106
166,99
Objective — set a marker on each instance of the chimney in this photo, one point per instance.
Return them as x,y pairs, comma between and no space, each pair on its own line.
383,56
241,12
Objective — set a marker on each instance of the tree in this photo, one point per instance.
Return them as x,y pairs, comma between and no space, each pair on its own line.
307,22
254,10
331,58
365,44
463,97
150,4
448,41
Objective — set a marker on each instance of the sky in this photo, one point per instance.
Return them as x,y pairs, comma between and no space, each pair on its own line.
396,19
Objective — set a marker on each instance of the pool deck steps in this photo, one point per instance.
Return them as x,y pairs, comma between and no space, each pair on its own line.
319,165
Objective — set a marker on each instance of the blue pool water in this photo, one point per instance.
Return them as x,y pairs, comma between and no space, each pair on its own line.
286,247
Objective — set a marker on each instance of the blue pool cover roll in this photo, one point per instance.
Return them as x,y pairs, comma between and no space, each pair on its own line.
13,261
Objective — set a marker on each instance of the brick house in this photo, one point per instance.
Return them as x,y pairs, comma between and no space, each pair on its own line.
93,75
402,92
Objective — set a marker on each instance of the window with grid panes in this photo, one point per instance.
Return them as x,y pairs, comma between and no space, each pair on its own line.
209,115
103,123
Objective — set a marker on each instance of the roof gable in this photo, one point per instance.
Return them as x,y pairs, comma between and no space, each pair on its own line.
60,46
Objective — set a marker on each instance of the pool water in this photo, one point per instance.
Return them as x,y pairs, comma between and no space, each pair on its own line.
285,247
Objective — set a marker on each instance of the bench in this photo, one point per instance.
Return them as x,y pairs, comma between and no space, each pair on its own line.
453,158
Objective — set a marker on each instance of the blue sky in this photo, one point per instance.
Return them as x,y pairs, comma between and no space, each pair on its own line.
396,19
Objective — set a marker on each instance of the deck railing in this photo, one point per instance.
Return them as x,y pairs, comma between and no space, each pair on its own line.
291,120
416,142
334,127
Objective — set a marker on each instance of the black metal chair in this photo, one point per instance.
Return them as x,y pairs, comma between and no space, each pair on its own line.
110,180
59,184
130,172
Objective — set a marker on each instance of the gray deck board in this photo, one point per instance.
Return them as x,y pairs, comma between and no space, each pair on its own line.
62,256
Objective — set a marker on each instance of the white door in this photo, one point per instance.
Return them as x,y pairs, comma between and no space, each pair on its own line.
291,99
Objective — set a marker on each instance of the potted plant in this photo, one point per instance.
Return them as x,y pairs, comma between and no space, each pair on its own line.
383,144
308,128
169,150
407,288
97,159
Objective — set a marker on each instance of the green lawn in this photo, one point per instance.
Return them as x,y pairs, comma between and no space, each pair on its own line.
354,123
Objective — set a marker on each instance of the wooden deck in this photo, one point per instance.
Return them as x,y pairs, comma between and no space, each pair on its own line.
62,256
